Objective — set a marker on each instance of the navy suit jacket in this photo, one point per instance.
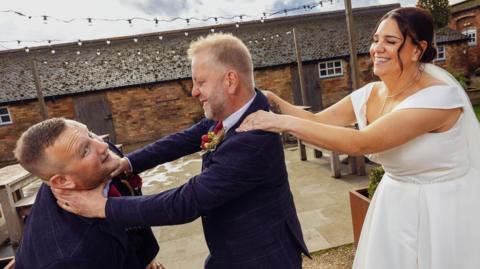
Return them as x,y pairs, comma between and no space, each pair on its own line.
242,195
56,239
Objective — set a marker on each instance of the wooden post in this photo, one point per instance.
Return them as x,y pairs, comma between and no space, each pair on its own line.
41,101
12,220
300,70
351,44
360,160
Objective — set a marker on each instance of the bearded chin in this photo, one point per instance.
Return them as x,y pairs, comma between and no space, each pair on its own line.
208,115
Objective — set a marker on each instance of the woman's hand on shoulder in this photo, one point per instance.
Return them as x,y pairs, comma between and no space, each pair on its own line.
263,120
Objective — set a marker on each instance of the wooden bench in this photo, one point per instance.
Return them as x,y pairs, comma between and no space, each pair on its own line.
356,163
15,205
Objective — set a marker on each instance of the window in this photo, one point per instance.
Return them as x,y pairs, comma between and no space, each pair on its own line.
330,69
440,53
472,36
5,117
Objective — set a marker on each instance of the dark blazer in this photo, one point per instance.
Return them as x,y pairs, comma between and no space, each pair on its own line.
56,239
242,195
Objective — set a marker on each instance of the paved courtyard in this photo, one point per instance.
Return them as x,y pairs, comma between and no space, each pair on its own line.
322,205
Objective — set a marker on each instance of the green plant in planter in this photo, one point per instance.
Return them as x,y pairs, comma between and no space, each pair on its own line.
375,176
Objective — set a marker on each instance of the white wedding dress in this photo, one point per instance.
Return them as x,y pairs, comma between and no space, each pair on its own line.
426,210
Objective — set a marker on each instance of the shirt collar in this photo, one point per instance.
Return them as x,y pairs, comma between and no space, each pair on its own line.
106,188
234,117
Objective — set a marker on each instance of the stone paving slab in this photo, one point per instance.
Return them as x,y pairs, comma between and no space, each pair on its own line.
322,205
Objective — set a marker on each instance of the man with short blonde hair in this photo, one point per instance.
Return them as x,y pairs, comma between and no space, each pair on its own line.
30,149
228,51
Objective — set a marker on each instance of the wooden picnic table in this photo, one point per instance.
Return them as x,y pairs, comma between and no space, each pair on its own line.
356,163
15,206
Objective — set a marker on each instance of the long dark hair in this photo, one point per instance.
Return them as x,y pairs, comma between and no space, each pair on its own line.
417,23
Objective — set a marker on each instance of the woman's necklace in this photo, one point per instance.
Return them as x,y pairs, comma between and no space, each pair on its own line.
402,90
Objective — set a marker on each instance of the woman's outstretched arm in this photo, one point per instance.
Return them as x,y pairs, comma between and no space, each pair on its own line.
339,114
387,132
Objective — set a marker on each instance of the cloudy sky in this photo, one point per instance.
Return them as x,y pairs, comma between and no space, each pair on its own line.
34,31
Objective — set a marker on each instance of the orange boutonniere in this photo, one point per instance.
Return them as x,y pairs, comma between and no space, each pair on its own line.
211,139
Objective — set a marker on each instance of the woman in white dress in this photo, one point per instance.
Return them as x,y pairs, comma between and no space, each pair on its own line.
419,124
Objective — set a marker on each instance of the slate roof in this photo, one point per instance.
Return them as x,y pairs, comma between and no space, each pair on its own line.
448,35
465,5
125,63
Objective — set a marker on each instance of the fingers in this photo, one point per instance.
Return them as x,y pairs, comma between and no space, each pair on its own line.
65,206
61,194
155,265
123,166
253,121
247,124
88,203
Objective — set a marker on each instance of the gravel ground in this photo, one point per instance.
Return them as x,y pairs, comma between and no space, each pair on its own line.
334,258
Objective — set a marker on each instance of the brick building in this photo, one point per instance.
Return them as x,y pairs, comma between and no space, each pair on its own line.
137,89
465,18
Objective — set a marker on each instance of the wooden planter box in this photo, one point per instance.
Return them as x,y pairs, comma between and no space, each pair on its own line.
474,95
359,203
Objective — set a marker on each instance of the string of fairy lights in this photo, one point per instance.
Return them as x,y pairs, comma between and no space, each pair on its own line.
217,20
156,21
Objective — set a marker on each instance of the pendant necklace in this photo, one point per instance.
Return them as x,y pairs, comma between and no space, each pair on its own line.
417,78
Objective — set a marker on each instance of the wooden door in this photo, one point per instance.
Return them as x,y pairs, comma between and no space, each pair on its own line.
311,78
94,111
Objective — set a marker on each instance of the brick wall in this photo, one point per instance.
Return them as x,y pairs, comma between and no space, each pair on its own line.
277,80
26,114
455,58
463,20
147,113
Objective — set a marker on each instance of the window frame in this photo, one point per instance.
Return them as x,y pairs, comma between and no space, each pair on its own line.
5,114
471,31
332,68
444,52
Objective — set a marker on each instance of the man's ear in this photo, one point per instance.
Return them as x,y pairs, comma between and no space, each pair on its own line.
231,81
61,182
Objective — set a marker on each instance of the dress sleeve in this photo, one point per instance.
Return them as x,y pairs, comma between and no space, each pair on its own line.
359,100
435,97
